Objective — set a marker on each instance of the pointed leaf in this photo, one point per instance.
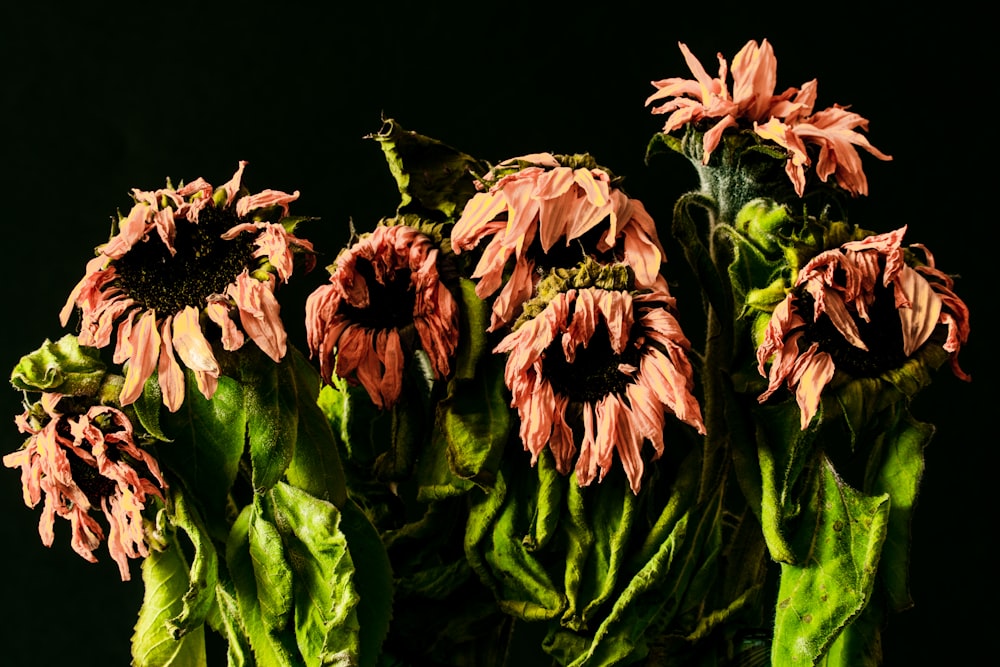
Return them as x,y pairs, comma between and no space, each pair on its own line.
315,466
229,623
431,175
208,439
271,570
473,321
199,598
474,420
272,418
899,476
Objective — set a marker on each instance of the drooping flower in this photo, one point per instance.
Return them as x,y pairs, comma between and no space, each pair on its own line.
863,310
601,368
82,463
786,119
383,289
182,257
540,212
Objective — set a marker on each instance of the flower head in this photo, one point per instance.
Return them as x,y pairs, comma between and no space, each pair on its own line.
861,309
180,258
601,368
786,119
383,289
537,210
85,462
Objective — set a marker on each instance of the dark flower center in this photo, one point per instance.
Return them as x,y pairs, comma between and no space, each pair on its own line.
594,372
390,306
93,484
203,265
562,255
882,334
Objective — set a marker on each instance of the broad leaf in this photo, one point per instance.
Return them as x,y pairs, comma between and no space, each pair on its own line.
899,476
315,466
64,367
165,579
431,176
270,400
199,598
271,648
208,439
474,421
840,539
326,597
271,569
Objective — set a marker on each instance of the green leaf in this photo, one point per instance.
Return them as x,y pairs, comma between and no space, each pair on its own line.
165,581
899,476
473,321
271,404
652,597
840,539
315,466
784,452
208,439
64,367
271,648
600,522
229,623
431,176
663,143
271,570
496,549
548,510
326,597
147,407
698,256
474,420
860,643
199,598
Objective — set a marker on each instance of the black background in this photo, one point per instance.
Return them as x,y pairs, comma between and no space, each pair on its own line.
98,100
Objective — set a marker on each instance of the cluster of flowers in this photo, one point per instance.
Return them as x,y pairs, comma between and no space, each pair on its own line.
596,359
184,262
588,367
787,119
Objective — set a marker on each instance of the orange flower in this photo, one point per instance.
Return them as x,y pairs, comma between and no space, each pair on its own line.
222,261
753,99
786,119
528,211
81,463
613,364
384,287
861,309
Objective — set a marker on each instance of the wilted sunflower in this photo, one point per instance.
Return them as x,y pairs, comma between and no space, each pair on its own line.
860,309
181,258
601,368
537,211
383,289
82,463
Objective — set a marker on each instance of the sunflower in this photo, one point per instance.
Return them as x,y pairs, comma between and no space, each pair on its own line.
538,211
602,368
82,463
863,310
382,290
185,261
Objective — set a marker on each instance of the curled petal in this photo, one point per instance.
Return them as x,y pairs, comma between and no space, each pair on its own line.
259,314
145,345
